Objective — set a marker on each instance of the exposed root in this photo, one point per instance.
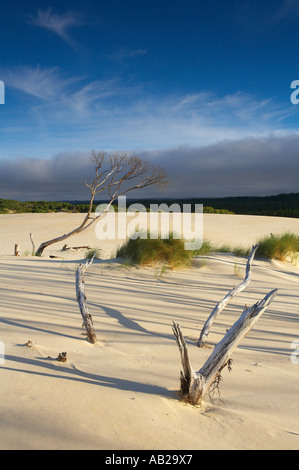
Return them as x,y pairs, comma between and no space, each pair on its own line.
215,385
62,357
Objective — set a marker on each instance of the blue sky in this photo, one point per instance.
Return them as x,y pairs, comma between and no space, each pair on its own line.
201,88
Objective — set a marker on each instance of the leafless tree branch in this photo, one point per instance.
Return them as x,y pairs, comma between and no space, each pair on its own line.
117,174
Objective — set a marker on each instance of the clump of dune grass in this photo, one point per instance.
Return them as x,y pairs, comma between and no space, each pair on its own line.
93,252
241,251
207,248
278,246
170,252
222,249
148,252
270,247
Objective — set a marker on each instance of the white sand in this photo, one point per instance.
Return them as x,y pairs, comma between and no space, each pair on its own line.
120,394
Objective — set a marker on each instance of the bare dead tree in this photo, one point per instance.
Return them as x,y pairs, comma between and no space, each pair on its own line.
82,301
117,174
33,245
194,385
223,303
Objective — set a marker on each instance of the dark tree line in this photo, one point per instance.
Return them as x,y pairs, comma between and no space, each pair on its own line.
281,205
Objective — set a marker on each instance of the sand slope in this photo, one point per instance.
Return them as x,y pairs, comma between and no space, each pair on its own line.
121,393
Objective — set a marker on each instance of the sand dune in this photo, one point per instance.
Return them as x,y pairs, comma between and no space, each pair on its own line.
121,394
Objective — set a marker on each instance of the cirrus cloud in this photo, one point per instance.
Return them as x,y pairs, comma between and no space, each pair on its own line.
59,24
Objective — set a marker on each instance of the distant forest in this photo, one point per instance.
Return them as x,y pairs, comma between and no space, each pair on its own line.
281,205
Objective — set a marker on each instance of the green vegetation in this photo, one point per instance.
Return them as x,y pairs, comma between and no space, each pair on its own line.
212,210
10,206
207,248
147,251
96,252
270,247
278,246
171,252
281,205
241,251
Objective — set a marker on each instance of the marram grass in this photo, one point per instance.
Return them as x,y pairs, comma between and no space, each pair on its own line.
96,252
148,251
278,246
171,251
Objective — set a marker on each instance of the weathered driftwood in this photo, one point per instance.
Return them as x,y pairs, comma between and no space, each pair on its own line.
33,244
62,357
81,297
194,385
223,303
75,248
17,249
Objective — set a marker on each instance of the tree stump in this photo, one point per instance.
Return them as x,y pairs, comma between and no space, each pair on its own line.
194,385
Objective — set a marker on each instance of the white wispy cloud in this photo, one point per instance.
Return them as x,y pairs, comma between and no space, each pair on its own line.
126,53
265,16
216,144
76,112
47,84
288,9
59,24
